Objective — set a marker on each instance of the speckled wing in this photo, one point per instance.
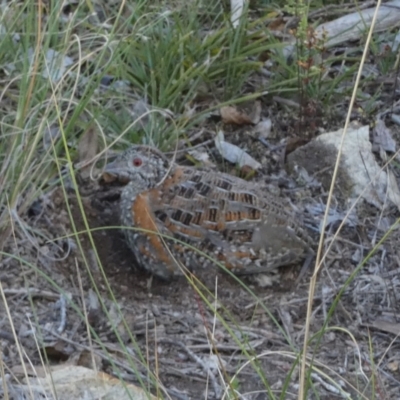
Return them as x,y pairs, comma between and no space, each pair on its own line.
227,218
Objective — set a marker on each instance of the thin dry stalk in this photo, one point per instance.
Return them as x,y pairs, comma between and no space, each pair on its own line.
318,262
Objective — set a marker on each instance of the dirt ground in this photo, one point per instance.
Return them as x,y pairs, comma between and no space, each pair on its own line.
181,340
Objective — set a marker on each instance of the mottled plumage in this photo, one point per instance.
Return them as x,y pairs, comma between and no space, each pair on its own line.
235,222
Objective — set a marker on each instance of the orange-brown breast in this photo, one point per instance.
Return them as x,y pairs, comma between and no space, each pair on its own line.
144,219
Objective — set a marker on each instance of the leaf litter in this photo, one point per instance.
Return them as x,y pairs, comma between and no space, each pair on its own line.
176,331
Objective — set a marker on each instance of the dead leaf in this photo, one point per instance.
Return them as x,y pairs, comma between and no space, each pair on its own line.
88,145
278,24
230,115
263,128
294,143
201,155
393,188
393,366
87,150
234,154
246,114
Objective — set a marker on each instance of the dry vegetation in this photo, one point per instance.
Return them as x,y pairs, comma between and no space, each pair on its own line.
82,80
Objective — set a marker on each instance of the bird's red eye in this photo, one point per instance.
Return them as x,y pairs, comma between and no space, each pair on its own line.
137,162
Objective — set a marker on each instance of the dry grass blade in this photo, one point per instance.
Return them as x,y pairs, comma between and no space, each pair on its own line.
320,247
170,75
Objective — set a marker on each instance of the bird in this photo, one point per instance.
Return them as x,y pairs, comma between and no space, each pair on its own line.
185,218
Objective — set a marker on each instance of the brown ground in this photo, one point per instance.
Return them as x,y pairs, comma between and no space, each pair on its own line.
179,337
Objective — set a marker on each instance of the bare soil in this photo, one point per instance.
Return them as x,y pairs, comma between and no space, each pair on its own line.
170,329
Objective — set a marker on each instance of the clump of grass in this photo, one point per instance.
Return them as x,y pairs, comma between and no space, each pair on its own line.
165,55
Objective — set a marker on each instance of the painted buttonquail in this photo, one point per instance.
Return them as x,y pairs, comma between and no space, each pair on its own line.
187,216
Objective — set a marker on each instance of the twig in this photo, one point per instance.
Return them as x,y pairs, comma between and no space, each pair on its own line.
198,360
63,311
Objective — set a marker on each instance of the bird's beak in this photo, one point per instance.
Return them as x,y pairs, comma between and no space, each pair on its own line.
114,172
